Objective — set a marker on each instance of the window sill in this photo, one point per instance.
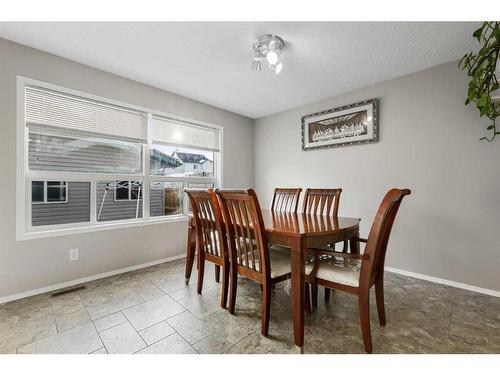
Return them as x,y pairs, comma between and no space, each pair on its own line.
46,233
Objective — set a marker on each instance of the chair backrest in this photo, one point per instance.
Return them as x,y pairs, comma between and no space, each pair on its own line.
322,201
376,245
286,199
248,248
210,230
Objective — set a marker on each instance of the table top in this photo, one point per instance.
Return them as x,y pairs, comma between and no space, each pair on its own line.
299,224
288,223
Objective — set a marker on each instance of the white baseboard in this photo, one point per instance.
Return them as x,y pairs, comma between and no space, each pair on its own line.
438,280
87,279
67,284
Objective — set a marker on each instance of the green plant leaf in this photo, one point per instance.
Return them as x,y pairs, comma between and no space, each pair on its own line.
482,101
481,67
477,33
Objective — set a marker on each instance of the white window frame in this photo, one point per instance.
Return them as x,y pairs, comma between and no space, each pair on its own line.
45,201
24,229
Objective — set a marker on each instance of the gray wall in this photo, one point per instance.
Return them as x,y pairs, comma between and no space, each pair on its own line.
27,265
448,227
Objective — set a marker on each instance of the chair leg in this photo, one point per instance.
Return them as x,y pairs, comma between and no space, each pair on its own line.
364,318
201,273
266,309
308,300
233,286
217,273
190,254
327,294
314,296
225,285
379,296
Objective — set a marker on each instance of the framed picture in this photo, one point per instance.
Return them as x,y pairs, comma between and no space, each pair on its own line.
348,125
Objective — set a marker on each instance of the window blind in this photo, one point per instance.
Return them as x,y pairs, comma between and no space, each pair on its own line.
168,131
50,108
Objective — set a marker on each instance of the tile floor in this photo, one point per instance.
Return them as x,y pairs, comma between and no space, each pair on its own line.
152,311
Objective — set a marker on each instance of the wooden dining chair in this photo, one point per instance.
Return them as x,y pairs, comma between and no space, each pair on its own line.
285,199
249,252
322,202
211,240
355,273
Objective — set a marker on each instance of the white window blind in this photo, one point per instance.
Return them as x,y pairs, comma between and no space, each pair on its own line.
168,131
49,108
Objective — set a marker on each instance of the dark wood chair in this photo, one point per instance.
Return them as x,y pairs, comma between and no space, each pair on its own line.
285,199
211,240
249,251
322,202
355,273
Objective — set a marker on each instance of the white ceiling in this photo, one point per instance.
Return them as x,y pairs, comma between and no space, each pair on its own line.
210,62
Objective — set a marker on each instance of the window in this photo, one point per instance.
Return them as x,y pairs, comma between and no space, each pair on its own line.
92,162
49,192
128,190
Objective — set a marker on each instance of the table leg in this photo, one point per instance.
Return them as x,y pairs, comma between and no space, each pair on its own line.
354,245
190,253
298,291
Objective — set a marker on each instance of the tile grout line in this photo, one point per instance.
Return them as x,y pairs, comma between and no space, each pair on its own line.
136,331
100,338
451,313
45,337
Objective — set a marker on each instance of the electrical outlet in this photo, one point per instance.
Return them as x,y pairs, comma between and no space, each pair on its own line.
73,255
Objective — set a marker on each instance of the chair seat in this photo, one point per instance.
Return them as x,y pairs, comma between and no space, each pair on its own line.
339,270
280,261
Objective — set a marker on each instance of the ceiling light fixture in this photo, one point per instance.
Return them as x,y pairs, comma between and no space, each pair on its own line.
268,47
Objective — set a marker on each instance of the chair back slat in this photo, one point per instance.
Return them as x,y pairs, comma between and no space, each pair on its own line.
376,245
210,231
321,201
285,199
246,234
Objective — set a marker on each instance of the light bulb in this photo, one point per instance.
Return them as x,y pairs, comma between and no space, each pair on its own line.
278,68
272,57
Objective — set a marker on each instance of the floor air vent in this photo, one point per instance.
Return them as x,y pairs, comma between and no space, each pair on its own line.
66,291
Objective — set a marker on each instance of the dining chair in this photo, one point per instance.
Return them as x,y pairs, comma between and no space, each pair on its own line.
285,199
211,240
249,251
357,273
322,202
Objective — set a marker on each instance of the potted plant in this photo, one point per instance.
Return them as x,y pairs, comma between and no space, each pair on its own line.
483,67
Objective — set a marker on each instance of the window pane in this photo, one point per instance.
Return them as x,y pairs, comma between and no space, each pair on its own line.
56,191
122,190
181,162
135,191
165,198
76,210
62,150
37,191
108,208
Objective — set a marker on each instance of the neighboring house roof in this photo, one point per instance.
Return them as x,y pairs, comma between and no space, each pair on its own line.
166,161
190,158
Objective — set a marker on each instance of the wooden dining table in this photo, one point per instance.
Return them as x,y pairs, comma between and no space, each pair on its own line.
298,232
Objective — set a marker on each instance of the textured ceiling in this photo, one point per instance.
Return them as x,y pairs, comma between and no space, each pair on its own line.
210,62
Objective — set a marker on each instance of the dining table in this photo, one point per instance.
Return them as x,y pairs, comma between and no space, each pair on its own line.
298,232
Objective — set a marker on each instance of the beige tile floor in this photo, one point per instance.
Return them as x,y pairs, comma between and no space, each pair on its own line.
152,311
